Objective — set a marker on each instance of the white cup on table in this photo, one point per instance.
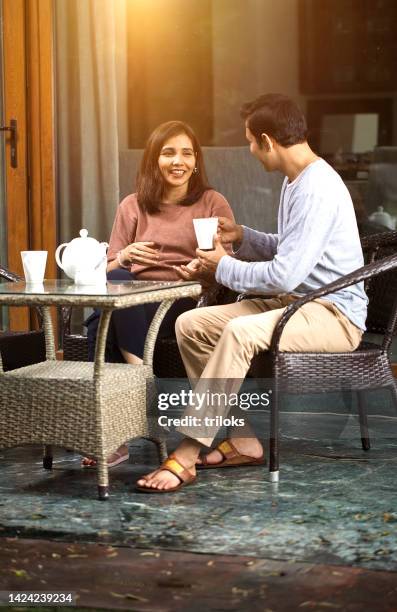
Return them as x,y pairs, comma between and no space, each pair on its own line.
205,231
34,263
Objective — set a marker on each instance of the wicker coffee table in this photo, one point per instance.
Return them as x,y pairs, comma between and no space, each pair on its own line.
91,408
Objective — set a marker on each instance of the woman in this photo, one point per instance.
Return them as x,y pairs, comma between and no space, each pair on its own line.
153,238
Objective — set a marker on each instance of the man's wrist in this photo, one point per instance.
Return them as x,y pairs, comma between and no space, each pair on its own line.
237,243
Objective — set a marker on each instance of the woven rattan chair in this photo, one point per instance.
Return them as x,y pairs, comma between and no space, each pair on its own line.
19,349
368,367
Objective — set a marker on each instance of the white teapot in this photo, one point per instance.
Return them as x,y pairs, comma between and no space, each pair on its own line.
83,260
382,217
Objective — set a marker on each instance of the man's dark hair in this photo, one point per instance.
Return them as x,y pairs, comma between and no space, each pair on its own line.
278,116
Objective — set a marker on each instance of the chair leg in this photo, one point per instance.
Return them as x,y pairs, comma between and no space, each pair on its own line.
393,390
103,479
274,471
362,413
161,447
162,450
47,458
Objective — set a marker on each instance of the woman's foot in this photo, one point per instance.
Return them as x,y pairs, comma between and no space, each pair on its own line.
250,447
119,456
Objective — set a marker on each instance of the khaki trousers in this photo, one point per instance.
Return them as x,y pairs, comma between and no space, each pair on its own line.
217,345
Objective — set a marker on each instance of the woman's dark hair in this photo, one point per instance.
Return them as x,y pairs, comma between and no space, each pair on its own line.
150,182
278,116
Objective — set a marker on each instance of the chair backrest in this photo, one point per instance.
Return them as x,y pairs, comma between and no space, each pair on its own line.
253,194
382,289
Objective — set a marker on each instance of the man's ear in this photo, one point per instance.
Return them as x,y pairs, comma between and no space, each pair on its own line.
267,142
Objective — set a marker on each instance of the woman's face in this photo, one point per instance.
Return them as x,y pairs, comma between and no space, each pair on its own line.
177,161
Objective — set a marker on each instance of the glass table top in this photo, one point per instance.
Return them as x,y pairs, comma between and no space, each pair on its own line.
67,287
113,294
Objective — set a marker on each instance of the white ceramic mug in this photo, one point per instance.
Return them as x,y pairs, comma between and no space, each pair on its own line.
205,231
34,263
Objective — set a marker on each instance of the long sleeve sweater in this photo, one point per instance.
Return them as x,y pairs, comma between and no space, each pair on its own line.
317,242
171,229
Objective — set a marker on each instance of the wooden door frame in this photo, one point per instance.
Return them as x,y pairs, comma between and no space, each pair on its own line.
28,33
17,209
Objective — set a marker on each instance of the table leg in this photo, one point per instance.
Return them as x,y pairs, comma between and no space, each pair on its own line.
48,333
103,479
102,465
151,335
47,458
101,343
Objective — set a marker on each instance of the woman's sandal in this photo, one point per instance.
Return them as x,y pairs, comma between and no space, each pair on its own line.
89,462
173,465
231,458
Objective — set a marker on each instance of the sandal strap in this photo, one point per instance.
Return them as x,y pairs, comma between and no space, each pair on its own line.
173,465
227,449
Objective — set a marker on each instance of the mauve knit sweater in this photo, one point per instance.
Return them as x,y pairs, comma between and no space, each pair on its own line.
171,229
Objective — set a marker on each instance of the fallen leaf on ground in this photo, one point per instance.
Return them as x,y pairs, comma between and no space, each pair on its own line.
136,597
20,573
242,592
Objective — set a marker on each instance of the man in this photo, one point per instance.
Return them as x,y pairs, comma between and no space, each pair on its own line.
317,242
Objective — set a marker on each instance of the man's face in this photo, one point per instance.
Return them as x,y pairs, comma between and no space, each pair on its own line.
260,152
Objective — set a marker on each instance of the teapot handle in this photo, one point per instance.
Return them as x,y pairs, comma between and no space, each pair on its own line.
57,258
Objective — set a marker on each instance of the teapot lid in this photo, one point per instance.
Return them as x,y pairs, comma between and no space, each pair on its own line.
382,217
380,212
84,242
84,236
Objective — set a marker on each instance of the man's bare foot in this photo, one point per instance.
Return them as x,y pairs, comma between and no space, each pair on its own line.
245,446
185,455
163,479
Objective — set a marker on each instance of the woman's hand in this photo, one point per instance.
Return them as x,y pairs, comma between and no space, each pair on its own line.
140,253
229,231
189,272
193,271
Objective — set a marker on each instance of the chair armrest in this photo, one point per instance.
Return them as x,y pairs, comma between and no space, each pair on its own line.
376,241
216,294
361,274
9,276
208,296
